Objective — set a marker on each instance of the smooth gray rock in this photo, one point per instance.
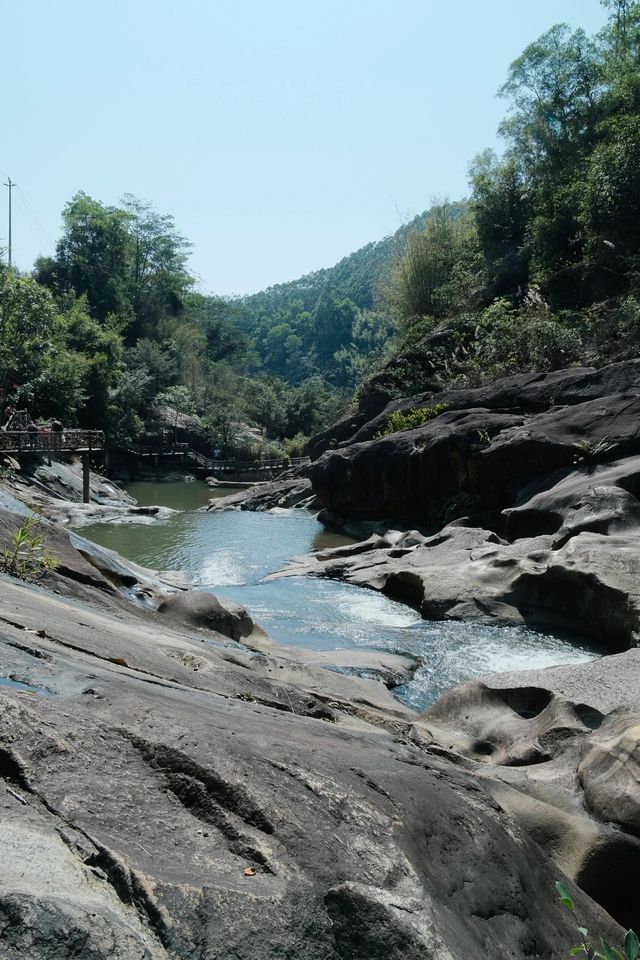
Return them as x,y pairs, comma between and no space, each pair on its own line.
610,770
197,608
292,492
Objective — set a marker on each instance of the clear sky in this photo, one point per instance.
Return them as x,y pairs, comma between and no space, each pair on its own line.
281,134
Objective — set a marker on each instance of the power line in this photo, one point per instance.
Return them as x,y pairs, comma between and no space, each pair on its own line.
36,219
32,222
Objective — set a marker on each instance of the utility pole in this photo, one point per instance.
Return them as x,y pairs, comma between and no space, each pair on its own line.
11,185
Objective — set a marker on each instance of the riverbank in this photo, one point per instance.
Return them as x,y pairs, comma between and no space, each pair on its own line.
228,779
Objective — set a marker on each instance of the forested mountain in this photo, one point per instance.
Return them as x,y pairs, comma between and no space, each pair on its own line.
539,269
333,323
359,277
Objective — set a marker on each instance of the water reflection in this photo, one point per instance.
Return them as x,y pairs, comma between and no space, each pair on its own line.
182,495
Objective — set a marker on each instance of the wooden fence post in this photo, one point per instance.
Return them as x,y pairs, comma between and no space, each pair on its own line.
86,489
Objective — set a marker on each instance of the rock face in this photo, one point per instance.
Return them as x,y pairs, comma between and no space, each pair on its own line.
64,481
167,792
475,459
172,800
553,761
610,771
533,483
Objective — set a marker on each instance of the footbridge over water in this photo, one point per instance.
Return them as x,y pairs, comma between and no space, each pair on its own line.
51,443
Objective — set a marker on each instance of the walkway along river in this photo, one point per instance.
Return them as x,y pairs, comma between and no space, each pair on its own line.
231,552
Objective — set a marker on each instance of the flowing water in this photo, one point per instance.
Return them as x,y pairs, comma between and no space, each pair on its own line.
231,552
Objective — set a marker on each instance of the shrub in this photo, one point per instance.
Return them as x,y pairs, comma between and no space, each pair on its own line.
398,421
26,556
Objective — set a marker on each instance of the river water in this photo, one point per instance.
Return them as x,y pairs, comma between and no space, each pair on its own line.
231,552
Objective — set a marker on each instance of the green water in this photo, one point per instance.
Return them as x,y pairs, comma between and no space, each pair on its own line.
183,495
231,552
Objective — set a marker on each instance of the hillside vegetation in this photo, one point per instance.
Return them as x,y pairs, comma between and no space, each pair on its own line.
541,270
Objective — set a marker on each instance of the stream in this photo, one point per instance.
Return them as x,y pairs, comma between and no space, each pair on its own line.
230,553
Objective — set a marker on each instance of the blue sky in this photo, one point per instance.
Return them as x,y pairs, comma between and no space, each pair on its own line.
281,135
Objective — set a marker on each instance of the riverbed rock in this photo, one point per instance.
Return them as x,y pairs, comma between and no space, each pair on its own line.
85,514
610,770
526,393
200,609
530,745
194,793
589,587
277,494
64,482
184,815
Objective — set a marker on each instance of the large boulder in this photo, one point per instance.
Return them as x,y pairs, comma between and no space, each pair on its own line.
475,458
283,493
562,768
189,824
588,586
526,393
610,770
197,608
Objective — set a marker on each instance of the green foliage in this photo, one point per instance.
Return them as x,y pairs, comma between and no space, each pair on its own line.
593,450
180,400
440,268
296,447
128,261
398,421
26,556
629,951
27,325
451,508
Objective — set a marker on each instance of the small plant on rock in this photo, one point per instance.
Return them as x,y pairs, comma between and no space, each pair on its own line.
591,450
398,421
451,508
26,555
629,951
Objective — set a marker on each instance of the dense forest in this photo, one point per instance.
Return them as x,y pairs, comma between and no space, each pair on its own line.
539,268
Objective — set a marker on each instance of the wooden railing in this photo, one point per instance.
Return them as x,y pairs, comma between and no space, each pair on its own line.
254,466
50,442
216,468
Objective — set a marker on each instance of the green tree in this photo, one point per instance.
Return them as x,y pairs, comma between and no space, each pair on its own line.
27,327
91,258
180,401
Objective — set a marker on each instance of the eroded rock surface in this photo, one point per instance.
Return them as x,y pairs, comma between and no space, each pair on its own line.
169,792
167,802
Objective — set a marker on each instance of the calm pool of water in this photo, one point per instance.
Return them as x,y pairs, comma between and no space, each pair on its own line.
231,552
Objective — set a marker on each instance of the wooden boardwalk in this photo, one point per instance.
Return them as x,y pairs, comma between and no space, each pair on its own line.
50,443
16,442
231,469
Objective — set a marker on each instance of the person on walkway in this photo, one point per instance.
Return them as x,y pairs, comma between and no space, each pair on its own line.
56,433
32,430
8,414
